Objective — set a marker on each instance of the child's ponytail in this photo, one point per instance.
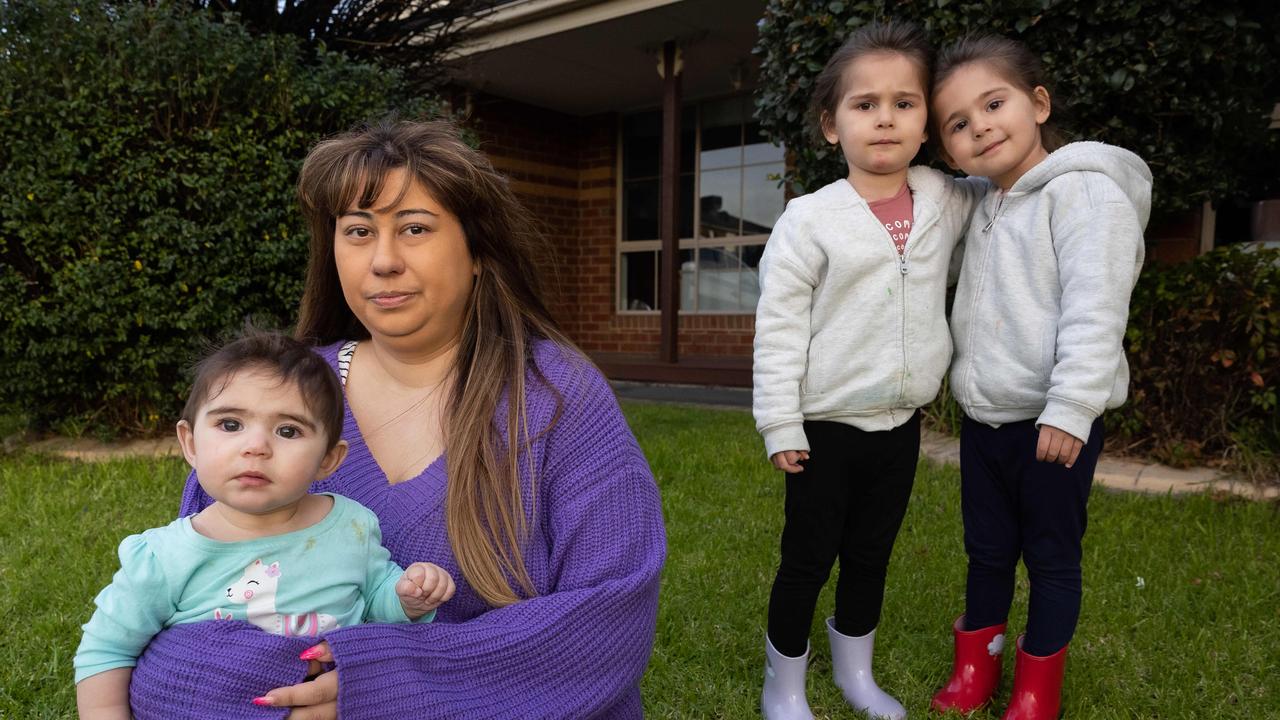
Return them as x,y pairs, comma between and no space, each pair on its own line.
890,37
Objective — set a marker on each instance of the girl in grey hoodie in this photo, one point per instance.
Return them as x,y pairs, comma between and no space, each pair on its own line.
851,339
1051,257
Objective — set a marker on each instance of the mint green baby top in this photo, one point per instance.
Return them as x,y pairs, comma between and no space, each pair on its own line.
333,574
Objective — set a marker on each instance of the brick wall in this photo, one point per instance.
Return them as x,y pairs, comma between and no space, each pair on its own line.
565,170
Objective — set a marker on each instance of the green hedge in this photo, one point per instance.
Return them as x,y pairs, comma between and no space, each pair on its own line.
148,157
1204,356
1186,84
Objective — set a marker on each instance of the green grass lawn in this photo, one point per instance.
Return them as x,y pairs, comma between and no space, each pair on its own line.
1199,639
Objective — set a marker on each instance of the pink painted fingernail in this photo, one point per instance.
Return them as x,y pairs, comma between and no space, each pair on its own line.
310,653
264,700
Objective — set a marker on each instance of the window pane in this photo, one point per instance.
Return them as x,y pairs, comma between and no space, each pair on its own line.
721,147
749,283
688,137
758,149
721,203
641,144
639,280
728,112
722,134
640,210
763,198
727,278
647,194
688,280
686,206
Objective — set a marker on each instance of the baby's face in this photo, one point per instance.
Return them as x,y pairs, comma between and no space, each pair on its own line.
255,446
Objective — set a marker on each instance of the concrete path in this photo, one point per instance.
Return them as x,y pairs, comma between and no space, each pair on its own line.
1112,473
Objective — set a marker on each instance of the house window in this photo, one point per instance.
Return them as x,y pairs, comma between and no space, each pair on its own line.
729,193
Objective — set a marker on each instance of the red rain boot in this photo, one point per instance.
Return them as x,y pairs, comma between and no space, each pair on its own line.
1037,686
975,672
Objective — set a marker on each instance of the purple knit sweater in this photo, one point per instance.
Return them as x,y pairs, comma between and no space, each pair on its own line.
576,650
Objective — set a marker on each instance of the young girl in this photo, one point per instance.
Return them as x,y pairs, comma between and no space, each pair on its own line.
263,422
1051,257
851,340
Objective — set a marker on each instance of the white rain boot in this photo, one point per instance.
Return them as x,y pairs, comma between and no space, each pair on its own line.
783,697
851,666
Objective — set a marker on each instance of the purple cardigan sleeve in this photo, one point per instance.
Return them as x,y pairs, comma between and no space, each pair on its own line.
576,651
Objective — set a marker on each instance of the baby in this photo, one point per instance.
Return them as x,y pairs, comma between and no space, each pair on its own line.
263,422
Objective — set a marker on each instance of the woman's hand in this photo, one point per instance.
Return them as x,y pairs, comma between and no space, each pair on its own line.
315,699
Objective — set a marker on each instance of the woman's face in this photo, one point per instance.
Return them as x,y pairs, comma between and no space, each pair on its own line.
404,266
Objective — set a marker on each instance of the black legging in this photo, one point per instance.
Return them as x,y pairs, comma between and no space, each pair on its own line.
848,503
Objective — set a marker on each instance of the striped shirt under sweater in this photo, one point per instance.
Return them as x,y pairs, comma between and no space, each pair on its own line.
576,650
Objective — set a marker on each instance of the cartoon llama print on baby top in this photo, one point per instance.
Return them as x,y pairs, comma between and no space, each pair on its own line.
257,590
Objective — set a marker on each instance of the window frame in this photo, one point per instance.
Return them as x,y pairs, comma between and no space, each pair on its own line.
695,243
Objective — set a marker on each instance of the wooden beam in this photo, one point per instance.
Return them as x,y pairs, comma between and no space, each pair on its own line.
669,219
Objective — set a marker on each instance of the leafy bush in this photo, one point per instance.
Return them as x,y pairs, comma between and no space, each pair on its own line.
1186,84
148,156
1204,356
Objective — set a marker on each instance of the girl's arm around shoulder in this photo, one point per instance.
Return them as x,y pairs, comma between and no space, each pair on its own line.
956,198
955,195
577,648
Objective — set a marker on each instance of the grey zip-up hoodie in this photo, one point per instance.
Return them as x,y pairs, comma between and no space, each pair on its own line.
846,330
1043,298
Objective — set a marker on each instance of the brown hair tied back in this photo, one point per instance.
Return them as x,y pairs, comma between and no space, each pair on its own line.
1010,59
891,37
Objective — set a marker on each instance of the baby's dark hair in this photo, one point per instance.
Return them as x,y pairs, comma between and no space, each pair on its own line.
280,355
890,37
1010,59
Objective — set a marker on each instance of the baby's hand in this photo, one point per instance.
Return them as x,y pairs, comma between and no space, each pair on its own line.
423,588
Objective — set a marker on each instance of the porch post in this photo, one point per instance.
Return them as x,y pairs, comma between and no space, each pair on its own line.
669,220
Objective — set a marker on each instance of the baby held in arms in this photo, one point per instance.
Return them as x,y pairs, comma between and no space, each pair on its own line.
263,422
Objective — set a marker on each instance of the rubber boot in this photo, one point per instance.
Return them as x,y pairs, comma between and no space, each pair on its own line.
851,666
783,697
975,670
1037,685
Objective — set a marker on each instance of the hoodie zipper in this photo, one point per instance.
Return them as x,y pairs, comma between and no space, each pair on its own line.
996,213
903,271
962,391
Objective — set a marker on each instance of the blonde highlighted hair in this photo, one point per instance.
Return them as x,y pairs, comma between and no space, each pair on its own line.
485,514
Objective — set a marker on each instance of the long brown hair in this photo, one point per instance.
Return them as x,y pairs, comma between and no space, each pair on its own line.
484,513
1009,59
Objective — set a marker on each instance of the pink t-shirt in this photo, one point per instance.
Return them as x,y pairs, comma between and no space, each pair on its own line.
895,213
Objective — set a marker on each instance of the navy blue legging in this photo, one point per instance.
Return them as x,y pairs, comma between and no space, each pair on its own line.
1015,506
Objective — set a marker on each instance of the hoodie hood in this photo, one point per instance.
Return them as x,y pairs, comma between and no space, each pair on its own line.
1125,168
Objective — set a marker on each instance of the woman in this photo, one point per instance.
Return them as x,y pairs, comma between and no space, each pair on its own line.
422,292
